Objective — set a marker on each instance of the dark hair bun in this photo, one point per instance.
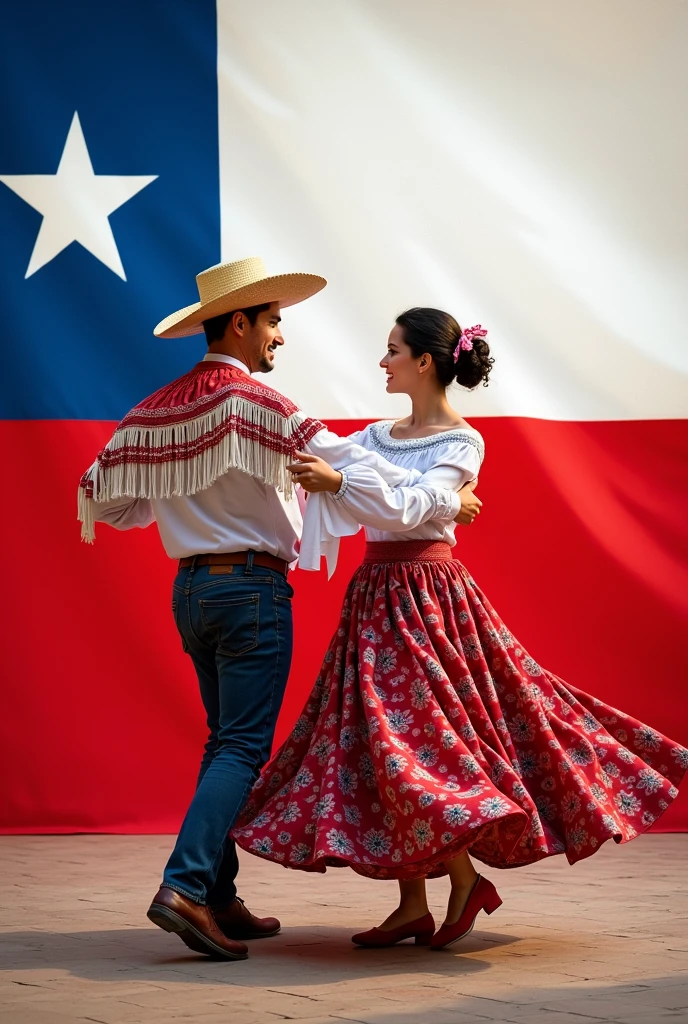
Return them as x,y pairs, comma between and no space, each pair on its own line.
438,333
473,365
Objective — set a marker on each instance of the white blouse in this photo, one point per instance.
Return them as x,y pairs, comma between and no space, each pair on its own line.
446,460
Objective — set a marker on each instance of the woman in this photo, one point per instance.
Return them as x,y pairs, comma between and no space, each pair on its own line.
430,731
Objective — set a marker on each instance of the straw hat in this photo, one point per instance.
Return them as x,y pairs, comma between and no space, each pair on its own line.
230,286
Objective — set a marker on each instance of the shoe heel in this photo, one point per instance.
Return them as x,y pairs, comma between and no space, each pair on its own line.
424,938
492,902
166,920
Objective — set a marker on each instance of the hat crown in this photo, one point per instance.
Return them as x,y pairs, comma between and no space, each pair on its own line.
224,278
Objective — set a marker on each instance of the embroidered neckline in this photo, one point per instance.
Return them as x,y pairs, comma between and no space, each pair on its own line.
381,435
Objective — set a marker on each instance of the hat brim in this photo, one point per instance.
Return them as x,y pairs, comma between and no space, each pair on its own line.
287,289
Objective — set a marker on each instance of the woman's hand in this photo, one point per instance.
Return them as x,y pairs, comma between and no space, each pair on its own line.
314,474
470,504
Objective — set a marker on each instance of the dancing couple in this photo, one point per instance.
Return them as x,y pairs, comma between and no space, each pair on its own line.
431,736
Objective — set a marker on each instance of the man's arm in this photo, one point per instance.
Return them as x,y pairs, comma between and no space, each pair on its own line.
470,504
124,513
342,452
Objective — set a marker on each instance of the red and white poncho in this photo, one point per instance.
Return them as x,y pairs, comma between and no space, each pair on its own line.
188,433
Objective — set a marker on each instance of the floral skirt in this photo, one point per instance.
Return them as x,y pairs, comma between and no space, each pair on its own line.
430,731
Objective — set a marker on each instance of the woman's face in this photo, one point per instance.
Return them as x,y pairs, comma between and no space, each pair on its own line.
399,363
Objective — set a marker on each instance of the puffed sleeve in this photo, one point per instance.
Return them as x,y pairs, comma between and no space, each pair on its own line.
124,513
456,465
366,497
358,437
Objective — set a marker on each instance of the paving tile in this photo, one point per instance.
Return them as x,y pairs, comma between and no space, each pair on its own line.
15,1016
587,1015
604,941
665,997
651,1017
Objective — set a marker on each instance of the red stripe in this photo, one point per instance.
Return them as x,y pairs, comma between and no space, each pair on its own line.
582,546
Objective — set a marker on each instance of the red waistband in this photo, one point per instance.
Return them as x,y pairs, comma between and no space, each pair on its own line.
408,551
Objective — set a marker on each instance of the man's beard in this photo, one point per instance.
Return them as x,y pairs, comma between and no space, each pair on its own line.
266,365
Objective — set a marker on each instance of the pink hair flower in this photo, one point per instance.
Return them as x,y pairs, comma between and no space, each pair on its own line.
466,339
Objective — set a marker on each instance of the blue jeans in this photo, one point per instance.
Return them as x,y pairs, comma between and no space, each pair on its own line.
237,628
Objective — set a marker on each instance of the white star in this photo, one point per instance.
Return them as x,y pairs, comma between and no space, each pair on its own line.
76,204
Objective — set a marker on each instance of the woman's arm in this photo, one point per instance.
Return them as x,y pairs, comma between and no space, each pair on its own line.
370,500
404,508
364,495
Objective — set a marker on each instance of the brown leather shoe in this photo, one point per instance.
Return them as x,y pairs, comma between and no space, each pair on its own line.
194,924
237,922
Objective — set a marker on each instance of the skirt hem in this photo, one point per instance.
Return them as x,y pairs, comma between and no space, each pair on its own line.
407,870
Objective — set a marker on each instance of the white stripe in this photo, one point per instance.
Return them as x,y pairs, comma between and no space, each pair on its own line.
520,165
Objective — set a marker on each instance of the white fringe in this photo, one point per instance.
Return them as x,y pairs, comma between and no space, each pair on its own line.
189,476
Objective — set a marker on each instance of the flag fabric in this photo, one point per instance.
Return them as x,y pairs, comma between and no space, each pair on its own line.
520,166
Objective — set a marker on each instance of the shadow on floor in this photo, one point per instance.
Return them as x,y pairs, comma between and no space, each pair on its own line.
317,956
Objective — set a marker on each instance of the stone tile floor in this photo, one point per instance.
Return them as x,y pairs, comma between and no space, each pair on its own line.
606,940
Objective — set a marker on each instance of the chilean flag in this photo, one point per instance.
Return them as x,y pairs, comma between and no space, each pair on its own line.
521,172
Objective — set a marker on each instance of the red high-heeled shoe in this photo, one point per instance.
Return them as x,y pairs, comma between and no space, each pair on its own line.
483,896
421,930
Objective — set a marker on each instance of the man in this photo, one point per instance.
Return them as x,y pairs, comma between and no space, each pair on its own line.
208,459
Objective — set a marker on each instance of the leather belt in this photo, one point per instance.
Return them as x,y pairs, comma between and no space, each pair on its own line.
237,558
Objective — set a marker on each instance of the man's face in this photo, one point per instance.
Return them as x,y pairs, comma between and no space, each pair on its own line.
262,338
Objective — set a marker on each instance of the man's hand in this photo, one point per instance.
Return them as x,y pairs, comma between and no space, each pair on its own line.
470,504
314,474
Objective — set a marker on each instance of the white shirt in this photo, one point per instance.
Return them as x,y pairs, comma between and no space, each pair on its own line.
446,460
238,512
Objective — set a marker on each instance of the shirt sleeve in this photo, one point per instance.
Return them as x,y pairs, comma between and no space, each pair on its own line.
367,498
459,464
341,452
124,513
